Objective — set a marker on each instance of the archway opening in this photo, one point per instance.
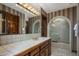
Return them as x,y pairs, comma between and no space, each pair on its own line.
36,27
59,30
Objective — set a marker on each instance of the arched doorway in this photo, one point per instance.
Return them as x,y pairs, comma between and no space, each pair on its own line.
36,27
58,32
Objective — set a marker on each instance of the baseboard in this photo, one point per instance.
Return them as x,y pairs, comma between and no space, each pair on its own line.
74,51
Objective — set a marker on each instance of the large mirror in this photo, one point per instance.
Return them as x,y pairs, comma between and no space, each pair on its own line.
2,23
16,18
35,24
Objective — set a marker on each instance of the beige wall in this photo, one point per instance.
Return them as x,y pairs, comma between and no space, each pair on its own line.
78,30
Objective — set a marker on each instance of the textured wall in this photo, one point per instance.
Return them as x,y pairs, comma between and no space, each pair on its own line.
70,13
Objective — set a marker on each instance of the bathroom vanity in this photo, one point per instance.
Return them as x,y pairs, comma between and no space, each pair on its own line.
32,47
41,49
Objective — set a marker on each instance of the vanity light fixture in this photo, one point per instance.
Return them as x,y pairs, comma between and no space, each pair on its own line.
29,7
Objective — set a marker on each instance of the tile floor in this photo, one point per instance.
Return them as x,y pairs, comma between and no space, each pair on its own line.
61,49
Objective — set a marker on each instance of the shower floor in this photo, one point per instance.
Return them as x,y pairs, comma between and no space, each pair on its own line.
61,49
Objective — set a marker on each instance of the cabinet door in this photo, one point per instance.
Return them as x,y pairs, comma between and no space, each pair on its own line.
42,53
34,52
46,51
26,55
49,47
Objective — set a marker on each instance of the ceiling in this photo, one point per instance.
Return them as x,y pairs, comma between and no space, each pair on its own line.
48,7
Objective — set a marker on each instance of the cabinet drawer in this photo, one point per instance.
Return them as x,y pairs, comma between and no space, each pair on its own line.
35,51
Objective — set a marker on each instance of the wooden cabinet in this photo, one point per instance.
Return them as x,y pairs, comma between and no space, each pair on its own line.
42,49
45,48
35,52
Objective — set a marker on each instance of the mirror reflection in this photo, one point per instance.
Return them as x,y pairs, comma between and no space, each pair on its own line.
23,19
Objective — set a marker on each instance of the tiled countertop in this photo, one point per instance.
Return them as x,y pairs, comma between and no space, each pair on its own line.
15,48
